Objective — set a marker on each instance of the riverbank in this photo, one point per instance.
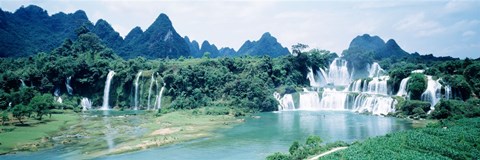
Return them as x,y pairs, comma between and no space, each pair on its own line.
34,134
95,135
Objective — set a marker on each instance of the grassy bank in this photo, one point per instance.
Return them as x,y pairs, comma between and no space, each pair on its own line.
449,140
98,133
34,134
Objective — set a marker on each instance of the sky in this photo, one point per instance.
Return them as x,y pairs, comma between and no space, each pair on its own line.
441,28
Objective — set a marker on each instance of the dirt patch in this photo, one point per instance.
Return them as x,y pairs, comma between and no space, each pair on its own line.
164,131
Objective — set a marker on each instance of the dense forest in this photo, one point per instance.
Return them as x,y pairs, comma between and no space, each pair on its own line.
247,82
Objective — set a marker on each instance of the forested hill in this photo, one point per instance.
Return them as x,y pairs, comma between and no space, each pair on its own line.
367,49
30,30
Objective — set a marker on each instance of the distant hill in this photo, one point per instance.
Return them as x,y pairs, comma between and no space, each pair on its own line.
367,49
160,40
266,45
30,30
227,52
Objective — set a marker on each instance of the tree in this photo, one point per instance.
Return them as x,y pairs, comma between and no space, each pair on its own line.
4,117
20,111
41,104
298,48
294,147
416,86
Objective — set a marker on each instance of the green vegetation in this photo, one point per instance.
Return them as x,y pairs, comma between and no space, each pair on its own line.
312,146
27,136
457,109
414,108
211,87
416,86
445,140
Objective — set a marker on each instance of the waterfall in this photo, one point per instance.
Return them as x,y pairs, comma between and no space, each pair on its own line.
285,102
448,92
86,104
432,93
337,75
136,90
159,104
311,78
378,85
106,91
362,95
59,100
67,85
333,100
356,86
338,72
23,83
56,92
402,91
375,70
150,90
309,100
374,104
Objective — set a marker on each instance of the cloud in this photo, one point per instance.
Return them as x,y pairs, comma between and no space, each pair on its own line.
420,25
458,5
469,33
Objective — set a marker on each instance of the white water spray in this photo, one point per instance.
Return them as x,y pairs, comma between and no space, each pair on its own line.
136,90
106,91
150,90
159,104
67,85
402,91
432,93
86,104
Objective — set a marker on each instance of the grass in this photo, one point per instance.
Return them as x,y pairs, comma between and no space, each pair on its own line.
448,140
18,137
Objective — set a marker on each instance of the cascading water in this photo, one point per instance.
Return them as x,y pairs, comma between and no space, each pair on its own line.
338,72
136,90
378,85
86,104
375,104
338,75
23,83
285,102
448,92
333,100
362,95
313,81
402,91
59,100
57,92
375,70
309,100
106,91
150,90
432,93
159,104
67,85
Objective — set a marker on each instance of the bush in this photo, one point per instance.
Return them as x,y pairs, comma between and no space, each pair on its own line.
413,108
456,109
460,87
416,86
279,156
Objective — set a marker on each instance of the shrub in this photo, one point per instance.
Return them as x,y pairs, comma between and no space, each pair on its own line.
416,86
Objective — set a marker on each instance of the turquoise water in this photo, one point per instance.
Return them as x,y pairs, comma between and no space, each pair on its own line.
257,137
